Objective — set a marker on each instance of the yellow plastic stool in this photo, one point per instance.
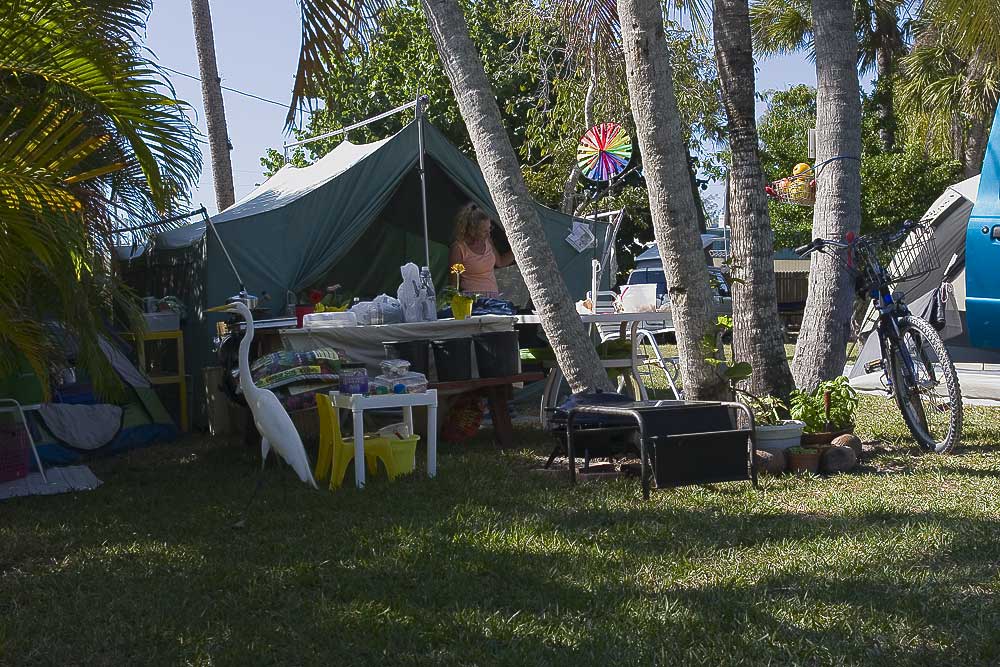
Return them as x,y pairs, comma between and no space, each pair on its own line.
336,454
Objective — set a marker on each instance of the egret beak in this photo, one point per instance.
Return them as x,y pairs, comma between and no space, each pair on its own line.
224,308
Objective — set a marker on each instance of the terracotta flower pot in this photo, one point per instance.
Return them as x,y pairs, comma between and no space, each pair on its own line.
803,461
824,437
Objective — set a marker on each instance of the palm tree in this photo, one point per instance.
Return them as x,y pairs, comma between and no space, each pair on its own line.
757,331
974,25
215,110
575,353
90,135
671,202
822,346
949,93
781,26
329,25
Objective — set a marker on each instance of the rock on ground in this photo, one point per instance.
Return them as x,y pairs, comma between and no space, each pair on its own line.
771,461
849,440
838,458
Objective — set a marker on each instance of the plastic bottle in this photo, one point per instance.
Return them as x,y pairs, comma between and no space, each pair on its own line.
427,294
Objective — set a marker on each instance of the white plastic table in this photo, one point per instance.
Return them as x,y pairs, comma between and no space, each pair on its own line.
358,403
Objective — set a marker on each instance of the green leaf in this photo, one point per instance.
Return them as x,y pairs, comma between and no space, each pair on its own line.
739,371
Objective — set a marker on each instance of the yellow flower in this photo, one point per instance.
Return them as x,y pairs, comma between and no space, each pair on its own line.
458,268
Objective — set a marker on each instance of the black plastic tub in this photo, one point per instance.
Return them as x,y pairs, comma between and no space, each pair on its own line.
453,359
497,353
417,352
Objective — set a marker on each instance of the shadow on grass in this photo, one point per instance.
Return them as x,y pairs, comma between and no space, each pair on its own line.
483,565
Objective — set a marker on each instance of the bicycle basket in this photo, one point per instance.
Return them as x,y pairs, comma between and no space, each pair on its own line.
916,256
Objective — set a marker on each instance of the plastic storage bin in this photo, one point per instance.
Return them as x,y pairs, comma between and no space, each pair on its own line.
163,321
329,320
453,359
497,354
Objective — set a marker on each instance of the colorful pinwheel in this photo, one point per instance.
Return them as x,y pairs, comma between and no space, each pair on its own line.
604,152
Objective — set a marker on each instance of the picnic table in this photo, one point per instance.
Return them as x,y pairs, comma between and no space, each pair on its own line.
364,343
498,393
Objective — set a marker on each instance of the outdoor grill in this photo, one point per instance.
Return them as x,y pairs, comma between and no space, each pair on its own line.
678,442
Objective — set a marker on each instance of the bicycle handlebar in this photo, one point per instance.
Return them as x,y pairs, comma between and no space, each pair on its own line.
819,244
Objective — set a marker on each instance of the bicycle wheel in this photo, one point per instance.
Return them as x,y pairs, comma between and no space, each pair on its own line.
929,397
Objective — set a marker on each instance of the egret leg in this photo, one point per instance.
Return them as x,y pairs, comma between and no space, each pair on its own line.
264,450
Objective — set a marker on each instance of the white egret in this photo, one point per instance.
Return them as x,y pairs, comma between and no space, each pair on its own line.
273,423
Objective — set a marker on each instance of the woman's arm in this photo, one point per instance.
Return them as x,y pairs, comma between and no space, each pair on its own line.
502,259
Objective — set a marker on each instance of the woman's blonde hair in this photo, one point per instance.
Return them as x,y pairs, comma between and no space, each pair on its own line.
468,217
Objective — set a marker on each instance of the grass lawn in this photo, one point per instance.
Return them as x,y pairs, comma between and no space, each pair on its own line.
489,564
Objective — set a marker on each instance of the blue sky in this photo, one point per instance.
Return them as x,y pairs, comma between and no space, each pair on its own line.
257,44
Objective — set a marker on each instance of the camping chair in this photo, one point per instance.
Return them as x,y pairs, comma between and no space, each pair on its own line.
15,406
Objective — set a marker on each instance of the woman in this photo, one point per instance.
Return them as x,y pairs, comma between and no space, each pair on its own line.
474,249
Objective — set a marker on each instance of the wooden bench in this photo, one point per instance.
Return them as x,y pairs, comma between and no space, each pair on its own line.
498,393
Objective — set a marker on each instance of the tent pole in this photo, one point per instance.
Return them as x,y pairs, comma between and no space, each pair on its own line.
211,225
419,109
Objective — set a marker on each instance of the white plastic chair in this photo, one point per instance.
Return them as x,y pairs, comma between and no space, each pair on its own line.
652,368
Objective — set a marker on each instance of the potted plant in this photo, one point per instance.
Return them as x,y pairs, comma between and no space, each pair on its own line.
461,305
307,304
828,410
773,432
803,459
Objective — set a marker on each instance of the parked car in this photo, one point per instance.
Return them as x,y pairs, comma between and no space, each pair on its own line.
720,291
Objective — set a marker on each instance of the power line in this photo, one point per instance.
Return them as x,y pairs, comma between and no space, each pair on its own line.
234,90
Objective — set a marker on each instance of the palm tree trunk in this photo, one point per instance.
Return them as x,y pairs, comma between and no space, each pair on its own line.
976,130
573,348
215,110
886,65
822,346
569,186
757,330
671,202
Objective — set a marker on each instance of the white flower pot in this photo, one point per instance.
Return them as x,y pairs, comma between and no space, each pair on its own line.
781,436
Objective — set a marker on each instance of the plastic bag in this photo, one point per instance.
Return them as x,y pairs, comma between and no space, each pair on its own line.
365,311
409,293
390,309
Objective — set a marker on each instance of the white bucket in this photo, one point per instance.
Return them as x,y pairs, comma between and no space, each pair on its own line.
786,435
639,298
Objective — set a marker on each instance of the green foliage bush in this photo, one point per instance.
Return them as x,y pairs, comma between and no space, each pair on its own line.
808,406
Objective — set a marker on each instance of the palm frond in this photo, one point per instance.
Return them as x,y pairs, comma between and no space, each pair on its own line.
781,26
46,47
328,28
974,25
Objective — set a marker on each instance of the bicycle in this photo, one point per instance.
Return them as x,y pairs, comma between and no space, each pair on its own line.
917,369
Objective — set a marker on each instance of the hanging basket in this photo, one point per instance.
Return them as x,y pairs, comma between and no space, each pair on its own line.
800,188
797,189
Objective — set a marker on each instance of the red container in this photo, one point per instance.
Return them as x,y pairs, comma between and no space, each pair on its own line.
14,453
302,311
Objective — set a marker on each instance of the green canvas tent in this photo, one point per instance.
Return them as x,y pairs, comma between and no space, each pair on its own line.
354,217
